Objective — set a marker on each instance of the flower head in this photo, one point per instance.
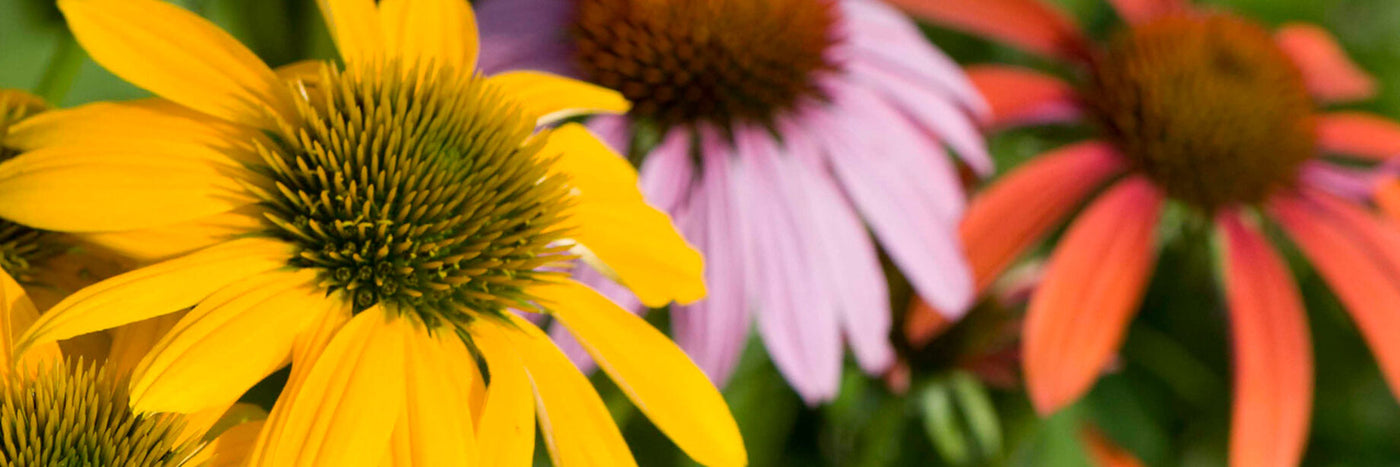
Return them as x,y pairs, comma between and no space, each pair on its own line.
775,132
377,223
1210,111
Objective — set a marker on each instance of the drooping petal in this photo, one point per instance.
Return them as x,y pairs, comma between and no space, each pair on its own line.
932,112
1272,353
506,427
354,26
1022,206
230,341
437,424
548,98
902,184
306,349
1387,197
668,173
1359,257
576,425
132,342
344,411
712,331
880,35
1330,75
659,378
788,290
1021,96
17,313
611,219
1358,134
232,447
1140,11
180,56
1093,283
1032,25
81,189
158,289
431,31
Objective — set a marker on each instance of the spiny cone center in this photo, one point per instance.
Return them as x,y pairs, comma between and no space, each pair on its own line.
60,416
683,61
20,246
427,196
1208,107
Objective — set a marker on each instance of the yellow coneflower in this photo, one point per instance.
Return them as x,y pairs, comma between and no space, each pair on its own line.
379,224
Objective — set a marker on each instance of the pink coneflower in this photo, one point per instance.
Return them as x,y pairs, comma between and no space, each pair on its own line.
776,132
1211,112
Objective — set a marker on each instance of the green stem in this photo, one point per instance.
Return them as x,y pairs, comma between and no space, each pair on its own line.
63,68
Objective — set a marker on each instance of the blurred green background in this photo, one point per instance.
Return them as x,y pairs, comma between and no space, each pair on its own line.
1168,402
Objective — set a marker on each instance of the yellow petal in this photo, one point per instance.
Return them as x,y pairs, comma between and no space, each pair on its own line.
77,189
168,241
156,290
228,343
231,448
577,426
548,98
507,425
437,424
307,348
636,241
354,25
180,56
140,124
17,313
344,411
132,342
663,382
423,32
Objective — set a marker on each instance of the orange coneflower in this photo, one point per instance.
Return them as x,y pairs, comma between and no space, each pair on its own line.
1210,111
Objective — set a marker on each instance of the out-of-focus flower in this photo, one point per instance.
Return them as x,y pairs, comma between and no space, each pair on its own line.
1211,111
375,225
774,132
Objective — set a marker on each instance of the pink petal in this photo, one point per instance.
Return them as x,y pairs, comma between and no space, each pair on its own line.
614,130
882,36
795,317
1021,96
667,173
1273,356
714,330
1329,73
525,35
1353,184
887,173
844,252
934,112
1028,24
1093,284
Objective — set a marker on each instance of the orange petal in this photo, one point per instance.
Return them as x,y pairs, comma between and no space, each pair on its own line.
1387,197
1273,355
1028,24
1021,96
1359,257
1092,287
1358,134
1329,73
1016,211
1103,452
1138,11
